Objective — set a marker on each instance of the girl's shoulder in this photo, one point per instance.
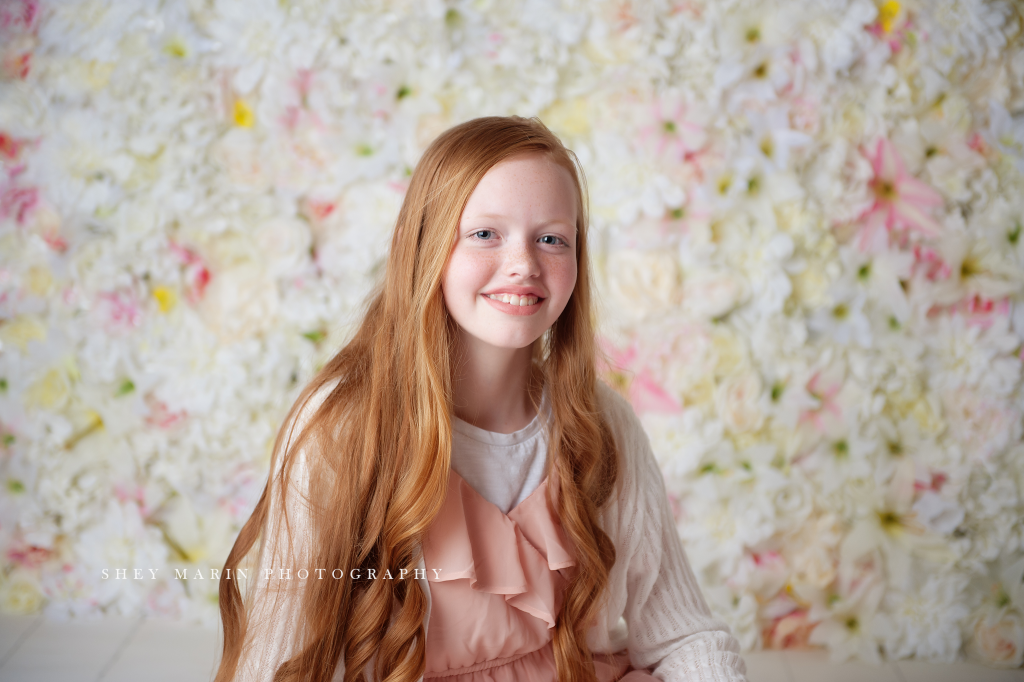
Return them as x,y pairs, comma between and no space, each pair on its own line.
619,415
309,401
638,468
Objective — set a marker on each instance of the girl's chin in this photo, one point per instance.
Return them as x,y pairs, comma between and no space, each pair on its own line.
498,338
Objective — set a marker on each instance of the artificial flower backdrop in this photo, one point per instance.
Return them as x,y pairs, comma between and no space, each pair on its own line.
807,228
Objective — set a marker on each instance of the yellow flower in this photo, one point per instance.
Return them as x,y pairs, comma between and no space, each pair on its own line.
887,15
39,280
49,392
165,298
568,117
176,47
244,115
20,594
23,329
98,74
730,354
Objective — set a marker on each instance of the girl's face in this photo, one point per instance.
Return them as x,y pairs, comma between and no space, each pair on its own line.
513,266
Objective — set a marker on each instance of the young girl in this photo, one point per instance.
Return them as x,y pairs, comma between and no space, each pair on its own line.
455,494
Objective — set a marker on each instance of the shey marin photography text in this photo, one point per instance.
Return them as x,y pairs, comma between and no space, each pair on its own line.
270,573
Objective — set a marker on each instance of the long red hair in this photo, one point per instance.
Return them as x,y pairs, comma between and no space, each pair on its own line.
378,448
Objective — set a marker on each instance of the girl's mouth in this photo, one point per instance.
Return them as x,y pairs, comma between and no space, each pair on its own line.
514,305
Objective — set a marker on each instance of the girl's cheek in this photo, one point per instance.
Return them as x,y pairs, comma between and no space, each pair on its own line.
562,270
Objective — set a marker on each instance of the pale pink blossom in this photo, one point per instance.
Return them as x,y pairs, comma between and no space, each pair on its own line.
901,200
644,391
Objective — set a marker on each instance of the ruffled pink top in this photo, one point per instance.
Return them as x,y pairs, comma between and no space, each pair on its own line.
497,591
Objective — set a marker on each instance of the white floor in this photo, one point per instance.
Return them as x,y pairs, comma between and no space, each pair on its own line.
33,649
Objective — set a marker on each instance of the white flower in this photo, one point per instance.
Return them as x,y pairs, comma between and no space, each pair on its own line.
643,283
812,551
926,623
996,637
848,622
982,424
838,458
773,139
709,294
240,302
1006,133
843,320
880,275
938,514
737,400
239,154
20,593
285,244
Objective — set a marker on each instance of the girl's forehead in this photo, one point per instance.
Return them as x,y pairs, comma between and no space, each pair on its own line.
525,182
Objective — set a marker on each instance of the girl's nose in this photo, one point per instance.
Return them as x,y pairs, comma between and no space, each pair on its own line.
521,260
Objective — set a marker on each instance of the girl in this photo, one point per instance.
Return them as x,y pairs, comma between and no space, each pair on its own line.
455,494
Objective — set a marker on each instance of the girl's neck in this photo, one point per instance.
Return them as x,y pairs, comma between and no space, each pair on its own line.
492,387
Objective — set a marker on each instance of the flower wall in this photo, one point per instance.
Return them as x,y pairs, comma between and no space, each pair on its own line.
807,228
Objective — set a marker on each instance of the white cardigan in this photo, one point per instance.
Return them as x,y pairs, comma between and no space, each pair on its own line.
654,609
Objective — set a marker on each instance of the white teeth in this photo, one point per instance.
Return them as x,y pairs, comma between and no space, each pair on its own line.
513,299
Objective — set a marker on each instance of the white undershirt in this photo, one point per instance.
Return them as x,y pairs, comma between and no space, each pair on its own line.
503,467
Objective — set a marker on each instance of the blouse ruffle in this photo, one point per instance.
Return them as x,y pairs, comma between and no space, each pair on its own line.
521,555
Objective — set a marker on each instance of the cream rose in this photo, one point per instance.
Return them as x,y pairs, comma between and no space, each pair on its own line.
20,594
241,301
737,400
238,153
284,243
812,551
708,294
644,283
997,637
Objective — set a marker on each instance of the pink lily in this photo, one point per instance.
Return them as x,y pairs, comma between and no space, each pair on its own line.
671,131
645,392
901,200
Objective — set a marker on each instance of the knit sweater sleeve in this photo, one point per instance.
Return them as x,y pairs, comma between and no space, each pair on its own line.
277,577
671,630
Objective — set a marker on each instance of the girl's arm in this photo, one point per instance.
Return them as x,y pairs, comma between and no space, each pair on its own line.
273,587
670,626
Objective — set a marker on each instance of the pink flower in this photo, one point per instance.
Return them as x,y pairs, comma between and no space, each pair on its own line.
11,147
19,15
901,200
122,308
934,482
28,556
976,310
196,274
826,395
672,132
317,210
791,631
161,416
982,312
132,492
928,262
644,391
18,202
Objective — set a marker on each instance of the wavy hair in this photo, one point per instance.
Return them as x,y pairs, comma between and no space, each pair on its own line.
377,450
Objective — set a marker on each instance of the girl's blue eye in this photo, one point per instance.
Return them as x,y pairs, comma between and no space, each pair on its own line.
479,232
551,236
